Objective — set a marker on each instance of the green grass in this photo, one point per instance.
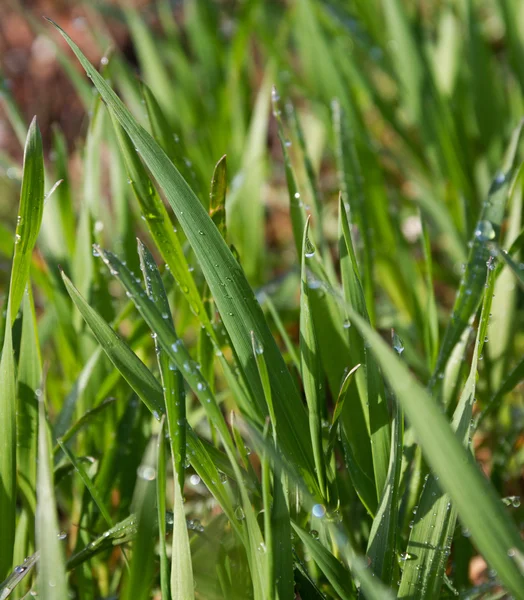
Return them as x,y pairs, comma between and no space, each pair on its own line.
191,408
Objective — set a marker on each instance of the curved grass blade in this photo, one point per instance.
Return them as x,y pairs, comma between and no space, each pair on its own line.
125,360
487,231
516,269
234,298
52,578
342,395
217,196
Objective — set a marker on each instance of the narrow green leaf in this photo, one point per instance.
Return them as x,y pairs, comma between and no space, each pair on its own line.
52,578
182,587
29,216
137,586
125,360
310,365
172,380
161,510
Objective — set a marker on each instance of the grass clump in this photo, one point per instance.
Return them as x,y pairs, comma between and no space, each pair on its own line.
312,454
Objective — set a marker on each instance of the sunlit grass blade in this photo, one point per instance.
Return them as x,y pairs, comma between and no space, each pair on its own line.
52,578
29,216
516,269
160,226
338,409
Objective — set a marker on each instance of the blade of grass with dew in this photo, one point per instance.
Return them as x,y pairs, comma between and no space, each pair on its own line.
19,573
160,226
171,345
52,578
434,524
125,360
161,510
27,228
150,391
311,369
500,331
335,573
239,309
475,499
368,379
29,216
172,380
138,583
487,230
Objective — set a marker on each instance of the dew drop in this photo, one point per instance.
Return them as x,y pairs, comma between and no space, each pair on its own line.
484,231
319,510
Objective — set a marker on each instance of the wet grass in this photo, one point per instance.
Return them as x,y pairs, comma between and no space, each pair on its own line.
209,412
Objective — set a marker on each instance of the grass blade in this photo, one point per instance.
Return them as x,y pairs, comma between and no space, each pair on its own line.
52,578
